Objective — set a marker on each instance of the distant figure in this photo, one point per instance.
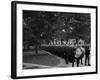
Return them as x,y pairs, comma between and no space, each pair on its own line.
73,57
79,54
82,55
87,56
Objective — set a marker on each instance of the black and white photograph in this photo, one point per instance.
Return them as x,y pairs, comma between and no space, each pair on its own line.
54,39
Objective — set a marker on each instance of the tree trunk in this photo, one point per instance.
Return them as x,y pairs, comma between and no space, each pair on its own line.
36,49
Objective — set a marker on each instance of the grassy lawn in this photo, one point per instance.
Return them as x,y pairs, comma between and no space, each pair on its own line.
42,59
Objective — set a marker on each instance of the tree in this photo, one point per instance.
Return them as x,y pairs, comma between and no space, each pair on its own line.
42,25
37,27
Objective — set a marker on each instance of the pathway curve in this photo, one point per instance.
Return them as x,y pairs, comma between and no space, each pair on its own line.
62,63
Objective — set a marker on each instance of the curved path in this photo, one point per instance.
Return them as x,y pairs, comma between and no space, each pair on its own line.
45,62
46,59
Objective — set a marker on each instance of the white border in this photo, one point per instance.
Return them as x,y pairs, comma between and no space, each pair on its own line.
36,72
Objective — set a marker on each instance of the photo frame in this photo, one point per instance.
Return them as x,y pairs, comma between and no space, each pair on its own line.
47,29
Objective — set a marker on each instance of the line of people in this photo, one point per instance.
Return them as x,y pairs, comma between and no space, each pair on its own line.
77,55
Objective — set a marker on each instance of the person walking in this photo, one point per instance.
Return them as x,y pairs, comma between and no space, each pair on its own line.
87,56
79,54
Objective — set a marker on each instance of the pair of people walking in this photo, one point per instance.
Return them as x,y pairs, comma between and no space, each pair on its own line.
78,55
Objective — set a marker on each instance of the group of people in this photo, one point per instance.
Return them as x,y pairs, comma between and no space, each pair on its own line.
77,55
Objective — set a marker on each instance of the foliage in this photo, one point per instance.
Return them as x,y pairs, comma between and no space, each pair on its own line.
39,26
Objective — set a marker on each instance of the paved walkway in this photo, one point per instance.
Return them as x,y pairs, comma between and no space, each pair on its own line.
32,65
41,60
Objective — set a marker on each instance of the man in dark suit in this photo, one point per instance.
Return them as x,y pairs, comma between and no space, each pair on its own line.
87,56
